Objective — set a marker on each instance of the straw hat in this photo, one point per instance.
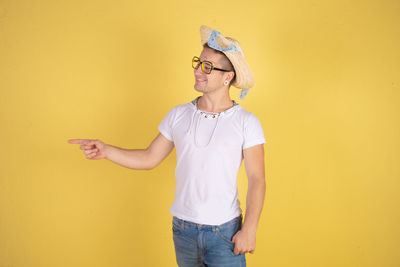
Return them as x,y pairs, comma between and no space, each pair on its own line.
233,50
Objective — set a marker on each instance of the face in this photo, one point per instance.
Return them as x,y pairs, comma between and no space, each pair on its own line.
215,80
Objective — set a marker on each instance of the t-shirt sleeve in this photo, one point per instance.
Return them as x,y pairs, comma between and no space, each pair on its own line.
253,132
165,126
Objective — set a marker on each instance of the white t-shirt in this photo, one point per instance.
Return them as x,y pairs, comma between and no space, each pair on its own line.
209,153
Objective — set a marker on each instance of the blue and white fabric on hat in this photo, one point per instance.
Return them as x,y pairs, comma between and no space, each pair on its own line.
212,42
243,93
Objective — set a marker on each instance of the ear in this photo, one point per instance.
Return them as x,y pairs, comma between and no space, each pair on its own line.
230,75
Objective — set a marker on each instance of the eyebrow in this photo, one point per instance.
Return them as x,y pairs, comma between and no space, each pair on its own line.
207,60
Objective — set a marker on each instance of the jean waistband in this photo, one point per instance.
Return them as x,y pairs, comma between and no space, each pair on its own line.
183,223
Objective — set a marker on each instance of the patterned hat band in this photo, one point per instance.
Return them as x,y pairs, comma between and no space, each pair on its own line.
212,42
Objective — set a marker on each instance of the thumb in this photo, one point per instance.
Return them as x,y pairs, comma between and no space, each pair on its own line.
233,238
91,142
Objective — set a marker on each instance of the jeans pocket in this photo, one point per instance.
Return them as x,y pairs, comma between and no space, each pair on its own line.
176,227
227,233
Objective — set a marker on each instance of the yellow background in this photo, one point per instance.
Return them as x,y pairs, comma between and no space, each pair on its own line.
326,92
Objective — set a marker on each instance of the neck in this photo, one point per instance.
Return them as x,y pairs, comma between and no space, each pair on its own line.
213,103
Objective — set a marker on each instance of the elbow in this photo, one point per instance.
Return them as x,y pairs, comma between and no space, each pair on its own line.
148,160
143,167
149,167
258,181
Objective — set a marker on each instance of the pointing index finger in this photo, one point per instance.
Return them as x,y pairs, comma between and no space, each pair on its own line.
79,141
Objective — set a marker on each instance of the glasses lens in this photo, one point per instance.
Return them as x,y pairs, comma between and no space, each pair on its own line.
195,62
207,67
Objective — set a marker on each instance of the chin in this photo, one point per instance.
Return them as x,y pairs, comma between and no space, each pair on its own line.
200,89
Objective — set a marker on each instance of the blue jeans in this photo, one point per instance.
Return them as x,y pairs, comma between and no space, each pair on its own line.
206,245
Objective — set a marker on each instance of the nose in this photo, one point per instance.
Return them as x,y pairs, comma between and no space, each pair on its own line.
198,72
197,69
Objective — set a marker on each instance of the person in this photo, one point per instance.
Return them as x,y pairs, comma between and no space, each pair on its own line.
212,135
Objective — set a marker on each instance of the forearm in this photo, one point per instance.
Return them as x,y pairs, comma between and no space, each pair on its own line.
254,204
137,159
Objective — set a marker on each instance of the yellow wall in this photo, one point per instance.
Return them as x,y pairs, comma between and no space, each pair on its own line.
326,91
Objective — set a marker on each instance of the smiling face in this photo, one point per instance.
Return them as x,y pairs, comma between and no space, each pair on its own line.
215,80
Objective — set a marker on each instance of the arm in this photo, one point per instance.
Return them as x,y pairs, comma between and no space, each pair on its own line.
140,159
254,164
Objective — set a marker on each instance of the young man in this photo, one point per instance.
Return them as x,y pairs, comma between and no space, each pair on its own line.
212,135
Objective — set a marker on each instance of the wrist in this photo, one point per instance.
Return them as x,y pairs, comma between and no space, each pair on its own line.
106,151
252,229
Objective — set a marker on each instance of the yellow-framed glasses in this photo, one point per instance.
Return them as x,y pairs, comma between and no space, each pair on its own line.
206,66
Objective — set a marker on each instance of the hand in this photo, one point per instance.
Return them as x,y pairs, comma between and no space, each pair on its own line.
244,242
94,149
